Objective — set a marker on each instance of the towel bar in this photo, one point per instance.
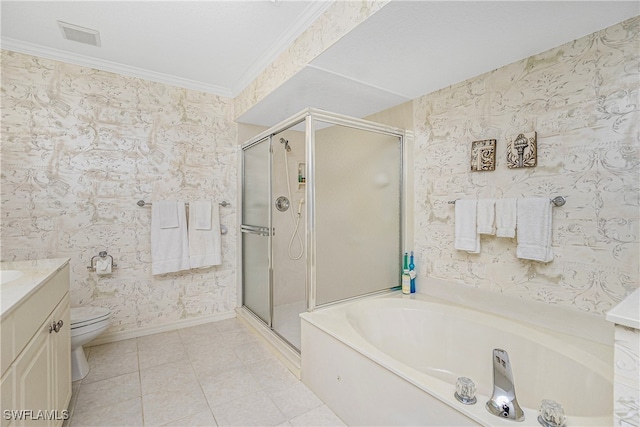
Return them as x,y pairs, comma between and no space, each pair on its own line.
142,203
557,201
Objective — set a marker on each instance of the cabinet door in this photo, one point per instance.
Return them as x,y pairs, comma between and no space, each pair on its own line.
33,376
61,357
7,395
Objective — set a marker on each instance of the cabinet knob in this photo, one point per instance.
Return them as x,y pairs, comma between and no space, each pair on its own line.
56,326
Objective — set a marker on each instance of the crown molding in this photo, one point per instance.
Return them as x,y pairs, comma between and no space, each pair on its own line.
310,14
114,67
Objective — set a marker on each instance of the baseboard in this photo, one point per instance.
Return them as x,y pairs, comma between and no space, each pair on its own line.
283,351
166,327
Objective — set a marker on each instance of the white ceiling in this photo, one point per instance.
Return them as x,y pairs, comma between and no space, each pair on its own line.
407,49
212,46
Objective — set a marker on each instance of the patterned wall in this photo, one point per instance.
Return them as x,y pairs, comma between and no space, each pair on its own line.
582,100
79,148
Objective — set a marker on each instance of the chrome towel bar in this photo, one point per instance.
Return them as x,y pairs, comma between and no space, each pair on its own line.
142,203
557,201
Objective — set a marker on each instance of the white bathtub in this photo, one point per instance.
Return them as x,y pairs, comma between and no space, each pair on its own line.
394,360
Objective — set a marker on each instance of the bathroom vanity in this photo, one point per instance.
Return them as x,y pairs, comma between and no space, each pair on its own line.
35,342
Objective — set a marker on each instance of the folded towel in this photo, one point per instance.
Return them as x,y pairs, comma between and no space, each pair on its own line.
201,211
466,233
205,247
169,246
506,217
486,216
534,229
167,213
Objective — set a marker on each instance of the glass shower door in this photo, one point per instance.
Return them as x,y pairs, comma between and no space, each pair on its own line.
255,228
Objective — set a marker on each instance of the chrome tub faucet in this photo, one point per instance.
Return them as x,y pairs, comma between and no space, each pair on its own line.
503,402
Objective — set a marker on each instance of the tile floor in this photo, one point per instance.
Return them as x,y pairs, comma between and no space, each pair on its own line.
217,374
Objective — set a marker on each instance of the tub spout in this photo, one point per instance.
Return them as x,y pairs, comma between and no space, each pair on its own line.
503,402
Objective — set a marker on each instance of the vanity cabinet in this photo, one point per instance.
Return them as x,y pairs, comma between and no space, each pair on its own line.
36,386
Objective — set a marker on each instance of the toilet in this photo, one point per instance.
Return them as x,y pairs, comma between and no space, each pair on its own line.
86,324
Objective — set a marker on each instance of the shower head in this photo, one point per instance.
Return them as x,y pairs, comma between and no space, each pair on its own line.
286,144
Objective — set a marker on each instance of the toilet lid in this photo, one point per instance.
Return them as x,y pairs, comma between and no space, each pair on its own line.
83,315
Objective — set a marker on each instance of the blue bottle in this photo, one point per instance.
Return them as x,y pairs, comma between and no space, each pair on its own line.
412,273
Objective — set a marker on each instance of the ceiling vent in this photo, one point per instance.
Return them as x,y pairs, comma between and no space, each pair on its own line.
79,34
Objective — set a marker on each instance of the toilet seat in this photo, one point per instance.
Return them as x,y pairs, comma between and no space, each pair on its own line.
86,316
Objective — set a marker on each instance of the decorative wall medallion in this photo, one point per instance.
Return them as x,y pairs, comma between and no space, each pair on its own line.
522,152
483,155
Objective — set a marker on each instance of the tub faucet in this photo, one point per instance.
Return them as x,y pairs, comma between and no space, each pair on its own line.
503,402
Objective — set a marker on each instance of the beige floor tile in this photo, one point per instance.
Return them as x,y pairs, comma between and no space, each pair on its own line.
102,367
109,391
170,376
293,398
201,419
159,341
252,410
149,358
227,386
168,406
125,413
233,338
205,332
321,416
207,375
214,360
111,350
231,325
252,352
269,372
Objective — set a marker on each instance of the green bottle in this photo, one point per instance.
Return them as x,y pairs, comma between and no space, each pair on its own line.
406,278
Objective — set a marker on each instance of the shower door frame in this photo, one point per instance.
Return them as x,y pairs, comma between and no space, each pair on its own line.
313,115
268,134
309,116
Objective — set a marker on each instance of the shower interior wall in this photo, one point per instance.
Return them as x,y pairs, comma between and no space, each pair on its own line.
288,274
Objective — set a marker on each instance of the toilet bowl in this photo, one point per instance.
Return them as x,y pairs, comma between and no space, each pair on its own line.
86,324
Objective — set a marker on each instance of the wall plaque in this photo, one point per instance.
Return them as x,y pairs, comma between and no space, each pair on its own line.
483,155
522,151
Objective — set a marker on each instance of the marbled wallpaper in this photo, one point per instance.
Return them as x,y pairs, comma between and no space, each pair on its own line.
582,99
79,148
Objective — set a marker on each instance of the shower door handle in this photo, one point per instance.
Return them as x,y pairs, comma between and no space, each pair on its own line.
254,229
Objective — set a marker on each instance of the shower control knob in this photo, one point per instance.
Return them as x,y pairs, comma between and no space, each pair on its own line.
465,391
551,414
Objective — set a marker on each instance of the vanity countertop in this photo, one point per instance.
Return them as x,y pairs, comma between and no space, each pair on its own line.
627,313
34,274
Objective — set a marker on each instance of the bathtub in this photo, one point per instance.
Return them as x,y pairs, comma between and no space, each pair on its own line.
394,360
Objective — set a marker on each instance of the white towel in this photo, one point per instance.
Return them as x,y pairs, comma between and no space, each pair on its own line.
204,239
506,217
534,229
466,232
167,213
486,216
169,246
201,211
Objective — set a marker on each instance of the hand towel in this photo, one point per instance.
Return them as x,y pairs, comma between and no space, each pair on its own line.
466,232
169,246
506,217
534,229
204,239
103,266
486,216
167,214
201,215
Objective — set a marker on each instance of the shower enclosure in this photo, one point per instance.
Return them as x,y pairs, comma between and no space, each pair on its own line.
321,217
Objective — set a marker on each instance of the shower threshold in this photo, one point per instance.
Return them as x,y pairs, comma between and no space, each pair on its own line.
282,349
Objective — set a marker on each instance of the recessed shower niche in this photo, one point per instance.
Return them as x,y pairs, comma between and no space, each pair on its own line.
341,236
